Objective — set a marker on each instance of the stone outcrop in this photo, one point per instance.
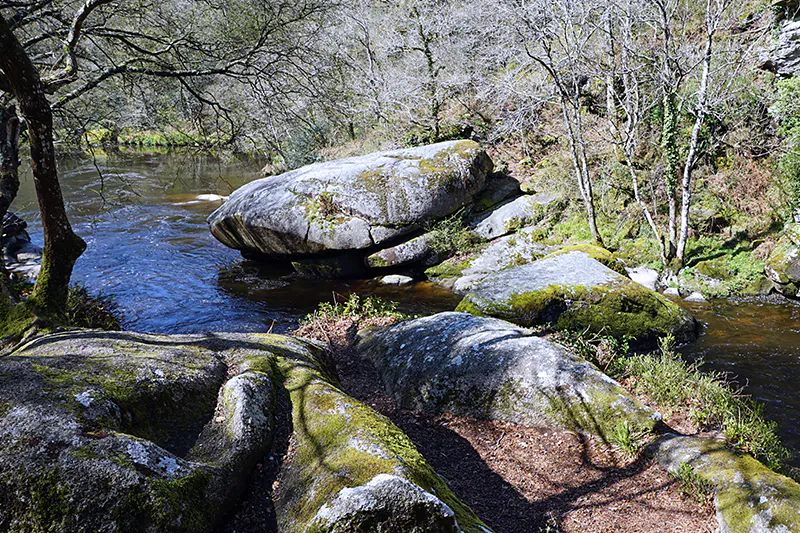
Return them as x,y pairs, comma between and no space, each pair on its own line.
574,291
484,367
131,432
783,264
748,496
464,272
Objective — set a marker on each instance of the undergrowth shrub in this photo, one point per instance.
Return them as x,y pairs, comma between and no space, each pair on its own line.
709,400
451,236
337,323
95,312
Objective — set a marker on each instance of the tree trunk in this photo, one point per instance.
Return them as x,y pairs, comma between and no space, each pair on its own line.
702,100
9,182
62,246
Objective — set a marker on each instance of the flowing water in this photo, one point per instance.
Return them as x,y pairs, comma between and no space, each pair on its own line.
149,247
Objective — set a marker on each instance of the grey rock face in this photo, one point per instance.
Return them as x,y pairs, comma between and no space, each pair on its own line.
462,274
783,264
484,367
524,211
749,497
392,501
111,431
574,291
351,204
416,250
784,56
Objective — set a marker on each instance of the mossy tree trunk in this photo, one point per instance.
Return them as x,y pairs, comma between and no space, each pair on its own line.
62,246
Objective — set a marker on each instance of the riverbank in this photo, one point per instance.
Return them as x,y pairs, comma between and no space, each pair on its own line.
520,479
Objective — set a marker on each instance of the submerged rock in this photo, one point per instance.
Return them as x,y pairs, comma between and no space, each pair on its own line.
573,291
484,367
351,204
749,497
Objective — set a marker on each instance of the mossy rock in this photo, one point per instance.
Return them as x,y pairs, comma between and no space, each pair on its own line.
572,291
351,469
488,368
463,273
134,433
783,267
749,497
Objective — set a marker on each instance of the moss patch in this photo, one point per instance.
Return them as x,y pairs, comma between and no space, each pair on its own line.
621,309
342,443
597,253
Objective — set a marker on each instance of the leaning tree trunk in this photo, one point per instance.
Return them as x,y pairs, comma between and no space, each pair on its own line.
62,246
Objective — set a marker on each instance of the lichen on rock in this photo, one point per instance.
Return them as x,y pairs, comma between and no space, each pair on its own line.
484,367
749,497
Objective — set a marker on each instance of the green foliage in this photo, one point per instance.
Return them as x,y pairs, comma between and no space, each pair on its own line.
627,439
712,402
739,271
450,235
694,486
786,110
95,312
356,307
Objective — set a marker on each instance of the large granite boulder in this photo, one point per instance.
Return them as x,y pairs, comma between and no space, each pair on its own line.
361,203
748,496
574,291
484,367
783,264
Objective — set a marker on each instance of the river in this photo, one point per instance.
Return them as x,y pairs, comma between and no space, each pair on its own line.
149,247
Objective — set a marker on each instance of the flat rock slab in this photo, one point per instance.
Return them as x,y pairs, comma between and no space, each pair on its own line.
484,367
462,274
573,291
749,497
351,204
